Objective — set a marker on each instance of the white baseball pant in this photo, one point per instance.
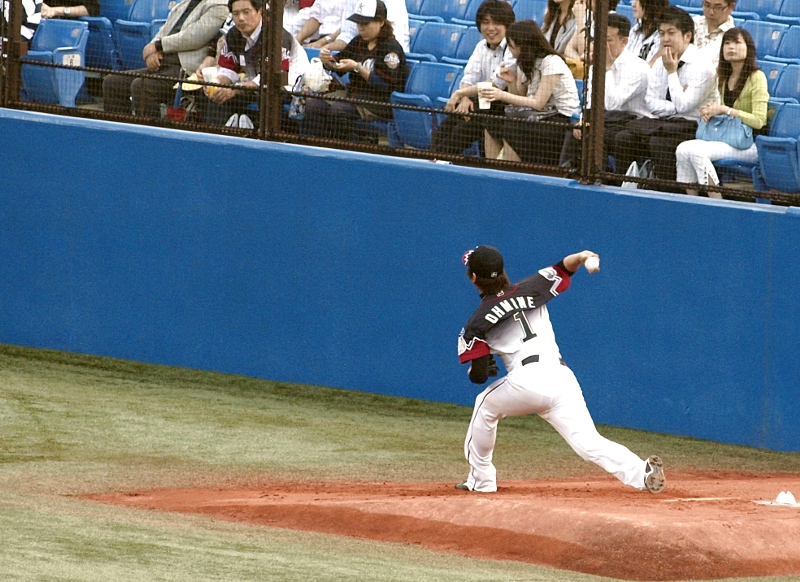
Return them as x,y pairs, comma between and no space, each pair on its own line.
694,159
550,390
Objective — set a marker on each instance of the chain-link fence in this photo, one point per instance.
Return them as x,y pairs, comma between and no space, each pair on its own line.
607,107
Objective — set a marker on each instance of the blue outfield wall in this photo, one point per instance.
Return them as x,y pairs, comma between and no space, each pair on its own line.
343,269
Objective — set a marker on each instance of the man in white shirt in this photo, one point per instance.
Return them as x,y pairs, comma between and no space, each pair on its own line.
626,84
396,13
709,28
680,82
457,132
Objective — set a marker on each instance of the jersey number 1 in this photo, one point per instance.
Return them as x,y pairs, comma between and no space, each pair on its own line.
519,317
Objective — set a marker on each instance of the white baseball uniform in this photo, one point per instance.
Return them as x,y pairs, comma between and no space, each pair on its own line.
515,324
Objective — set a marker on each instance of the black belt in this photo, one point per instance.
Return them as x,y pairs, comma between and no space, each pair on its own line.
535,358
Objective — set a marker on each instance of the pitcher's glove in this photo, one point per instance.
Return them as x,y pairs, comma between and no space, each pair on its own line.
492,366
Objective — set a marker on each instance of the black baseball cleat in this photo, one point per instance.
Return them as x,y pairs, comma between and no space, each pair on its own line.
654,479
463,486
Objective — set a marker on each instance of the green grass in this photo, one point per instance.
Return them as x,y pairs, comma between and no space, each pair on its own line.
72,424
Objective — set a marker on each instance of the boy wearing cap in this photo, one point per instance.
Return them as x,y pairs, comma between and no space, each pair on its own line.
377,66
513,321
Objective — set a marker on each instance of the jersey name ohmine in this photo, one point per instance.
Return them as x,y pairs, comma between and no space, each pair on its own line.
530,293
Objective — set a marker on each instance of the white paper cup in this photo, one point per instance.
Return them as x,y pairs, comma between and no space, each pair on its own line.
483,103
210,74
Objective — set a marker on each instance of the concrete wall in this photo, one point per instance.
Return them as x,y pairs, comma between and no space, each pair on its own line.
343,269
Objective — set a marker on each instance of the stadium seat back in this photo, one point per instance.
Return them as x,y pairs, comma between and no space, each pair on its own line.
788,84
759,7
438,39
115,9
778,163
789,48
414,26
414,6
445,9
413,128
767,36
627,12
466,46
101,48
773,72
789,13
786,122
530,10
433,79
61,42
148,10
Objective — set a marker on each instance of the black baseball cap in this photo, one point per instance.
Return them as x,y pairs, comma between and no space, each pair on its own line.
367,11
485,261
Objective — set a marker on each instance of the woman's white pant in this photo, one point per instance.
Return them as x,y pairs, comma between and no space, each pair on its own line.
551,391
694,159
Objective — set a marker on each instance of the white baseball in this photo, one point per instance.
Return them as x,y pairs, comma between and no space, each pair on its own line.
592,264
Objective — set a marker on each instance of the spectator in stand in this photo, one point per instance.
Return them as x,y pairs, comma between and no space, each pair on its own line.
680,82
397,15
295,14
744,94
181,44
644,40
240,55
31,16
709,28
542,82
70,8
577,44
322,26
377,66
626,85
561,22
457,132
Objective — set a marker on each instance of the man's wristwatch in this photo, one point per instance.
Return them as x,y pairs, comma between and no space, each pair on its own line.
67,11
328,38
357,70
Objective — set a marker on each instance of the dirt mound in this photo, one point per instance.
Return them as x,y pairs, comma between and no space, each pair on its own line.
704,526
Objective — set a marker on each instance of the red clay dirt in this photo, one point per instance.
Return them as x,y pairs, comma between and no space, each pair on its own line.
704,526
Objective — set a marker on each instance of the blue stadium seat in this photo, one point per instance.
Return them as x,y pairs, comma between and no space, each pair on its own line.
466,46
789,13
427,14
115,9
767,36
756,9
101,48
414,26
60,42
788,85
627,12
530,10
728,168
773,71
471,12
789,49
413,7
693,10
445,9
779,165
426,84
692,3
436,40
135,32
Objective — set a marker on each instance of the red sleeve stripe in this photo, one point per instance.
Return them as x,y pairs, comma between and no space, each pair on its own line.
565,279
477,350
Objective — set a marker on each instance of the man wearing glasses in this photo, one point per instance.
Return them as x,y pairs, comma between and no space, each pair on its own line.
709,28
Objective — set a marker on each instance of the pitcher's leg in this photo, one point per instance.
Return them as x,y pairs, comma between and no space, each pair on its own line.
480,440
571,419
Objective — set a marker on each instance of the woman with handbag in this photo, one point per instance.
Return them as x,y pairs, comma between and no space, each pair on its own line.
726,129
541,99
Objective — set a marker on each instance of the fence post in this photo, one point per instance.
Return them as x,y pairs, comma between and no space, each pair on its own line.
14,51
270,112
592,143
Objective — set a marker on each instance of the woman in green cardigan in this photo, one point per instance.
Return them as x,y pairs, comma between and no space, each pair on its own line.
743,91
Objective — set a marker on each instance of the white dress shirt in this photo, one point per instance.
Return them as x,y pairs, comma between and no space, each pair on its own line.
693,85
626,85
396,13
483,62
